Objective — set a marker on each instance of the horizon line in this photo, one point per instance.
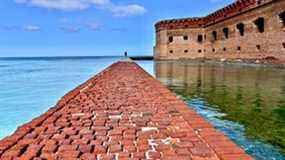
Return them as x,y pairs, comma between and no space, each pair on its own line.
76,56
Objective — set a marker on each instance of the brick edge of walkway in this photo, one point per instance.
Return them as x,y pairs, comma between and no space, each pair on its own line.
22,130
224,148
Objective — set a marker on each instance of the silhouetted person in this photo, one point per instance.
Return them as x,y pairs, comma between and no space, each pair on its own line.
126,54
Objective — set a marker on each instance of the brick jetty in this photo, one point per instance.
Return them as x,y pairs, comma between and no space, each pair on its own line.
121,113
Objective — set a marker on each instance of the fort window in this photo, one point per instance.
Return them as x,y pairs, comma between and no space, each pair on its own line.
240,27
170,39
238,48
205,36
171,51
226,32
258,47
214,35
185,38
260,24
186,51
283,45
213,50
199,51
200,38
282,17
224,49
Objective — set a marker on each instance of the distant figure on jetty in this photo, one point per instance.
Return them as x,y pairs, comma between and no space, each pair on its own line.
126,54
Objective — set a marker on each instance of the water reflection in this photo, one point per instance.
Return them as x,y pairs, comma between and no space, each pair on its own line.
253,96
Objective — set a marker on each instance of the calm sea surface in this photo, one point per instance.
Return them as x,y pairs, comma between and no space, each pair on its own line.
245,102
30,86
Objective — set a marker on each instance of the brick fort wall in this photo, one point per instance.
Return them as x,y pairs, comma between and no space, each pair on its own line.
245,29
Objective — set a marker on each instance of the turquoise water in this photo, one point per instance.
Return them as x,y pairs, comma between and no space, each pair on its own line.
30,86
246,102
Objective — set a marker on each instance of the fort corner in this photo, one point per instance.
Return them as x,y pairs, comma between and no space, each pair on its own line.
245,29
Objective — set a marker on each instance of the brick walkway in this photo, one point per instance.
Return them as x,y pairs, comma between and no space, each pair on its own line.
122,113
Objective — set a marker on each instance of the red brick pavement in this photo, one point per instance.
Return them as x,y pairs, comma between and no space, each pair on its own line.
122,113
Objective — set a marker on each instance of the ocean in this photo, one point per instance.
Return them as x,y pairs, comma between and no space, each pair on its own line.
245,102
30,86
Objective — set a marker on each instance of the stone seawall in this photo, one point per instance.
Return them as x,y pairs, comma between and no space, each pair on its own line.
121,113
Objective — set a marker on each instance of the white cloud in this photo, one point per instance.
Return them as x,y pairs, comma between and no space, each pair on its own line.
75,5
69,29
119,29
122,11
32,28
10,27
94,26
66,5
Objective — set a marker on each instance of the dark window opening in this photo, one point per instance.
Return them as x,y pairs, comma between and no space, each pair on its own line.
240,27
204,50
186,51
282,17
283,45
170,39
214,35
260,24
205,36
171,51
199,51
258,47
185,38
226,32
200,38
213,50
224,49
238,48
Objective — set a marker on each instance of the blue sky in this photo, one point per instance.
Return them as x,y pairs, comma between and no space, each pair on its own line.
89,27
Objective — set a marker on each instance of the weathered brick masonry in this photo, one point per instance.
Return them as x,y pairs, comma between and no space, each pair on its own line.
246,29
122,113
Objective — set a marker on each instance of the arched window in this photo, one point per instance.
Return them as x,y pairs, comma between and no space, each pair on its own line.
240,27
200,38
282,17
214,35
226,32
170,39
260,24
185,38
258,47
